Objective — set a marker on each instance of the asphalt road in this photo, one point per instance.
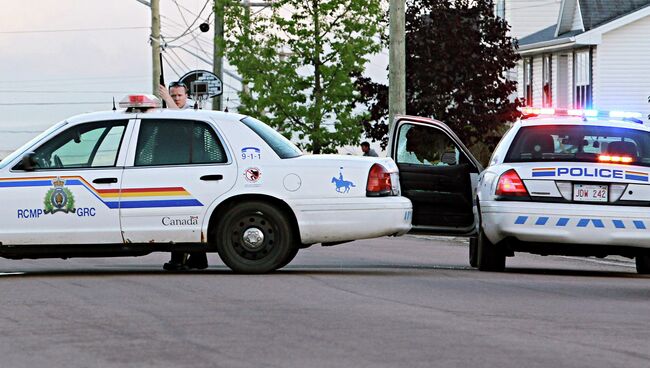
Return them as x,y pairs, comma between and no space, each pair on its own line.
406,302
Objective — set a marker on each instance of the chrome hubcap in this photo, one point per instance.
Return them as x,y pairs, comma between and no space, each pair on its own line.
253,238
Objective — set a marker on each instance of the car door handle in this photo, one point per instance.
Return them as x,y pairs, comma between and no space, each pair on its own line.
105,180
212,177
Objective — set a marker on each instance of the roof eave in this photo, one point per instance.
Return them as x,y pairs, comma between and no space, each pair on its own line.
560,43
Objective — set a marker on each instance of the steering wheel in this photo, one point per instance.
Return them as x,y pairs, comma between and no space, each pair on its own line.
57,162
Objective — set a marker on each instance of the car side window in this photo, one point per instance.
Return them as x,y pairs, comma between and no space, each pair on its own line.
177,142
426,146
82,146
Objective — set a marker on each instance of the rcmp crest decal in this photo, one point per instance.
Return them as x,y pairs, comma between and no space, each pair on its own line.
59,198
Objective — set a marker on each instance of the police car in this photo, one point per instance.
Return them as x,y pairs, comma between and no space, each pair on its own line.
144,179
570,182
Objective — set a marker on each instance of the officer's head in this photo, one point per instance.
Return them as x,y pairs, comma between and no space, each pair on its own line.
178,92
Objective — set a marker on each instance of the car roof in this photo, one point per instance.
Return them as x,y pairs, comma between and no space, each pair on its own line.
577,120
179,114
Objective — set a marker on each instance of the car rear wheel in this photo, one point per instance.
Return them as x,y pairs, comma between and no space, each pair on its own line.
473,251
255,237
490,256
643,265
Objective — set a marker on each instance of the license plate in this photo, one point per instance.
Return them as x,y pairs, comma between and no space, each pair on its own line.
590,193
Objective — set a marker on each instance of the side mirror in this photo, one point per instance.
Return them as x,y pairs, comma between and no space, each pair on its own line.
28,162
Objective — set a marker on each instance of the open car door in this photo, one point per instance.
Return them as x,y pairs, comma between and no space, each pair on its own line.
437,173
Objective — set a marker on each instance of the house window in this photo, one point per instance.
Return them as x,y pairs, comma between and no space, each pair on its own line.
582,78
547,80
501,9
528,81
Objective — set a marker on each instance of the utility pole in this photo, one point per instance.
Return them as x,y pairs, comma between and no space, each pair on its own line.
155,45
397,62
247,14
217,64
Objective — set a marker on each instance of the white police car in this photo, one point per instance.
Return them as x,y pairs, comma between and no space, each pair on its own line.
129,182
571,182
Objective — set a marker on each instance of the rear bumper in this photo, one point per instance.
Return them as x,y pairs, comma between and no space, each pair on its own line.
321,221
566,223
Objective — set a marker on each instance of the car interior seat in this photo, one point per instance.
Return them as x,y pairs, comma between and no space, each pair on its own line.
539,143
622,148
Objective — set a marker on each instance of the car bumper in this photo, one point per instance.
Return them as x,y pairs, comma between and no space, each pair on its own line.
566,223
321,221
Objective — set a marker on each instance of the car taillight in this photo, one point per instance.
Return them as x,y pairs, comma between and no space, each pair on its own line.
510,184
379,182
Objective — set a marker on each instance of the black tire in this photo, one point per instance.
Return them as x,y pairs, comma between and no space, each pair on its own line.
276,246
643,265
490,256
290,257
473,251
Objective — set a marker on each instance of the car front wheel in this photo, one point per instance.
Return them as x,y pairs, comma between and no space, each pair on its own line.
490,256
643,265
255,237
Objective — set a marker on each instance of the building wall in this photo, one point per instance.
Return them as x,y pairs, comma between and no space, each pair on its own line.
529,16
623,69
577,19
537,80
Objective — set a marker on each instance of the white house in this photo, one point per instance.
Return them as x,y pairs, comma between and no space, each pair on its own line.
527,16
595,55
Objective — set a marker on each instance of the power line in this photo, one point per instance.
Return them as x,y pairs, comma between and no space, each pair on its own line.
126,77
73,30
67,92
52,103
194,22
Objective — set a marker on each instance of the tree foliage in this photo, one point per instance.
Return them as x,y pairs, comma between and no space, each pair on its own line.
299,58
457,55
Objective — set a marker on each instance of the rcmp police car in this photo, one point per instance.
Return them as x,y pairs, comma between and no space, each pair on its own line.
573,182
129,182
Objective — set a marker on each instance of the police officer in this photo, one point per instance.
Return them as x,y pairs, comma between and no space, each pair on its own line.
176,99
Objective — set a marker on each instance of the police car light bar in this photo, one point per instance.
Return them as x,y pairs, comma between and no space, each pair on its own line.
626,115
140,101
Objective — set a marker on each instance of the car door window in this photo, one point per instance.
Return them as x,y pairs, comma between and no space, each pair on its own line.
425,146
87,145
177,142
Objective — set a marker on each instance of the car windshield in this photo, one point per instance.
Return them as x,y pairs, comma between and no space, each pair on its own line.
281,145
579,143
20,151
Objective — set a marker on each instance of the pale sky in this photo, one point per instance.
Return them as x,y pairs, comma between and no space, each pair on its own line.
70,61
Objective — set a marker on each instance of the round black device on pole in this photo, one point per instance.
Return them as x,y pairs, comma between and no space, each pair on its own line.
204,27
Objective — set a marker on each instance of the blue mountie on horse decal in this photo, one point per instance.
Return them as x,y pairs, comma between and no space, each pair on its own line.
342,186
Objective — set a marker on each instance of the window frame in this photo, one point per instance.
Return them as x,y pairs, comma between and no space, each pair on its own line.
528,81
209,125
67,127
500,9
582,79
547,80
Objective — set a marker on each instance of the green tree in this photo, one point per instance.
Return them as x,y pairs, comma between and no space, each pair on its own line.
299,58
457,56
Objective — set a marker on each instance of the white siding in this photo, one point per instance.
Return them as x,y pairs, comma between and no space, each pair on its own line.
529,16
570,80
577,19
623,69
554,70
520,79
568,15
562,89
594,76
537,81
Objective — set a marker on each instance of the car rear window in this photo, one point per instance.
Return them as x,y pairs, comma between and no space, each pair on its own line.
281,145
578,143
